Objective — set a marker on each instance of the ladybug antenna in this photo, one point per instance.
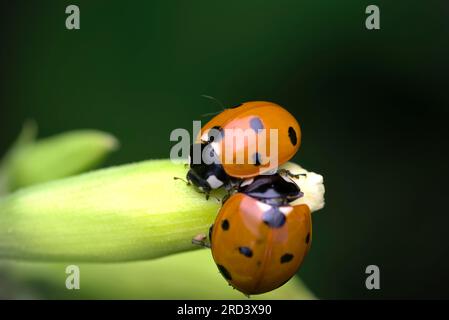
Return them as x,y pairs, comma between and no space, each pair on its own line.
210,114
214,99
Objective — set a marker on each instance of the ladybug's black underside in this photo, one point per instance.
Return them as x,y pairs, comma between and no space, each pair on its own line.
206,176
272,189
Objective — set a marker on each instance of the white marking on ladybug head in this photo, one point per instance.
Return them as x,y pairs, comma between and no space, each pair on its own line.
247,182
263,206
214,182
205,136
285,210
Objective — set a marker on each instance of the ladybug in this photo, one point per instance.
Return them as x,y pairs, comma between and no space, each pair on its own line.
254,116
259,240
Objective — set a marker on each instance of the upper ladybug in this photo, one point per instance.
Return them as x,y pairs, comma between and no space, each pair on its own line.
240,140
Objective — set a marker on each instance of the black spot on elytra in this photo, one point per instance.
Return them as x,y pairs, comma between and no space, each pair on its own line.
256,158
286,258
308,238
225,273
210,233
256,124
292,136
247,252
274,218
225,224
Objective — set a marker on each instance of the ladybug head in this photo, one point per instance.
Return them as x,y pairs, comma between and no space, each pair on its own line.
205,172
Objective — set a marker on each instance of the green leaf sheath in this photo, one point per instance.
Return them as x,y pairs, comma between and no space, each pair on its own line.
26,136
51,158
124,213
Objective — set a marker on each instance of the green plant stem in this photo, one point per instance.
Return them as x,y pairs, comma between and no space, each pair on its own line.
189,275
130,212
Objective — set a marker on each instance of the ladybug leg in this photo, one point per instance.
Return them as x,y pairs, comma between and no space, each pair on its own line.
225,198
200,240
230,188
206,193
233,185
211,228
290,174
178,178
208,196
229,194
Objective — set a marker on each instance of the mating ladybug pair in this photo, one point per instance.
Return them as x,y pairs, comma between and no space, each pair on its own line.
259,239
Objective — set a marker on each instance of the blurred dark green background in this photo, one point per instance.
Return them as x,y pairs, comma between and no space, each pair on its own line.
373,106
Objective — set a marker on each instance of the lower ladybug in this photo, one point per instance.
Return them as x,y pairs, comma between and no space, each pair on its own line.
258,240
